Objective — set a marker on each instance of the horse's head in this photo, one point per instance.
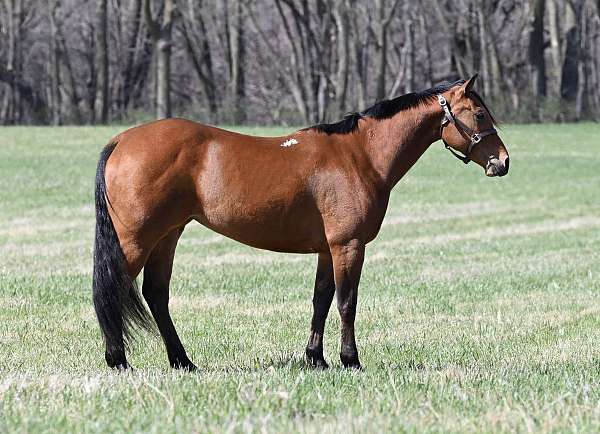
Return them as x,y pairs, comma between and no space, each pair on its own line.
468,127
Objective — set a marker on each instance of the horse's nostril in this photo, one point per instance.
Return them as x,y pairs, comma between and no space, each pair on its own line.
506,164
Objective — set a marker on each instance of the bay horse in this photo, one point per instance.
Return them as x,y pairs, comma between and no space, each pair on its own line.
323,190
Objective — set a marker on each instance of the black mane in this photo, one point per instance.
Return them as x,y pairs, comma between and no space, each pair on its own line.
384,109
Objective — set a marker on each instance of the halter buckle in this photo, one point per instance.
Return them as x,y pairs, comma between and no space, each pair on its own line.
442,100
475,138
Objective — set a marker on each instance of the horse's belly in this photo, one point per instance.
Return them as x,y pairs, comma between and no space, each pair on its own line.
268,220
269,232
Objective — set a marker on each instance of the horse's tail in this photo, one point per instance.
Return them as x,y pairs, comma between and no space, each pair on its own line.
117,301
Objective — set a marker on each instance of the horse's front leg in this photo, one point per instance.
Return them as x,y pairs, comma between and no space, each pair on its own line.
347,265
322,298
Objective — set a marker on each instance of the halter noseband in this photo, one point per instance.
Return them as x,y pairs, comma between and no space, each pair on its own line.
475,137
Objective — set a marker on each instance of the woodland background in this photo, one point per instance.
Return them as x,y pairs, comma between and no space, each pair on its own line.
290,61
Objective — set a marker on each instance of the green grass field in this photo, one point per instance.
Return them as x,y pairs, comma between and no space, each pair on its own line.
479,306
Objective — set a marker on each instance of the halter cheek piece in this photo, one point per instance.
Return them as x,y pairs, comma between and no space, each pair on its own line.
475,137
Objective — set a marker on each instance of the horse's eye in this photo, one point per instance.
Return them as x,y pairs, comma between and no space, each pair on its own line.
480,116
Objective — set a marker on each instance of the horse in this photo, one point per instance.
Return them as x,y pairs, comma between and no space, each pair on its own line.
323,189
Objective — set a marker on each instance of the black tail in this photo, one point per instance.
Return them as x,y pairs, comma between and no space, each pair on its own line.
117,301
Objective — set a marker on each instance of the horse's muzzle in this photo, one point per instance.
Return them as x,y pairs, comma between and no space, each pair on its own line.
495,167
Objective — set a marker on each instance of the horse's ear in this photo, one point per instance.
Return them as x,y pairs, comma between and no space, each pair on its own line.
468,86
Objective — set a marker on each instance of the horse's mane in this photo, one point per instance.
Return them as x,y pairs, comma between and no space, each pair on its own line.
384,109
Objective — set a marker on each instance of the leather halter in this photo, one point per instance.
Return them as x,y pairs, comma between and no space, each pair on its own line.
475,137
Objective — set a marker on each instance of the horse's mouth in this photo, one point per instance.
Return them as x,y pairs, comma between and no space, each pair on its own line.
496,167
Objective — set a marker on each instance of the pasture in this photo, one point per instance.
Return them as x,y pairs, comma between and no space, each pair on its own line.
479,305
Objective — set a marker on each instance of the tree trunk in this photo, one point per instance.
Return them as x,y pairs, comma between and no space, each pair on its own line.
290,80
555,47
380,50
54,66
39,108
89,55
163,79
424,24
238,54
13,111
594,57
196,36
569,81
304,57
409,34
102,89
536,49
359,41
65,55
161,35
483,51
582,104
131,47
496,74
341,85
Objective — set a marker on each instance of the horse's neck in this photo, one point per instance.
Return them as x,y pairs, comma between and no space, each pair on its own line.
395,144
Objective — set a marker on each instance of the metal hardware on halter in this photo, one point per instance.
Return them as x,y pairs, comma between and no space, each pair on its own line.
462,128
448,117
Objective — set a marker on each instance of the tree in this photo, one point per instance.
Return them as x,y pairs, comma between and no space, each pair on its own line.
340,14
200,53
102,61
383,19
237,50
54,64
290,61
161,36
135,51
12,110
536,48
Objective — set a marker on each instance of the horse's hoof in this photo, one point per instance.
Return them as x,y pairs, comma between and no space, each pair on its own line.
354,366
315,359
123,367
185,365
350,362
318,364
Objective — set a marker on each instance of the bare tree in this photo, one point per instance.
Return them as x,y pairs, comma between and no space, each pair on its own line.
290,61
195,34
537,47
132,41
102,89
12,107
555,42
161,35
382,22
54,64
340,13
237,50
196,38
569,82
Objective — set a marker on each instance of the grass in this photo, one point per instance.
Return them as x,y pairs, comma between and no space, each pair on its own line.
479,307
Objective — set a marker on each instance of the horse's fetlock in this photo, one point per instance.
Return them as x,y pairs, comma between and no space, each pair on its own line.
116,360
315,358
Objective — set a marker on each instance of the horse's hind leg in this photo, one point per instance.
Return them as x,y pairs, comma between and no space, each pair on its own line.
157,275
323,295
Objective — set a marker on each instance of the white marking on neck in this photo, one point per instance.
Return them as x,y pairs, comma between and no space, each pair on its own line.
289,143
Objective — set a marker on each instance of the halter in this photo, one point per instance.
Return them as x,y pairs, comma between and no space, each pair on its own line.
475,137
